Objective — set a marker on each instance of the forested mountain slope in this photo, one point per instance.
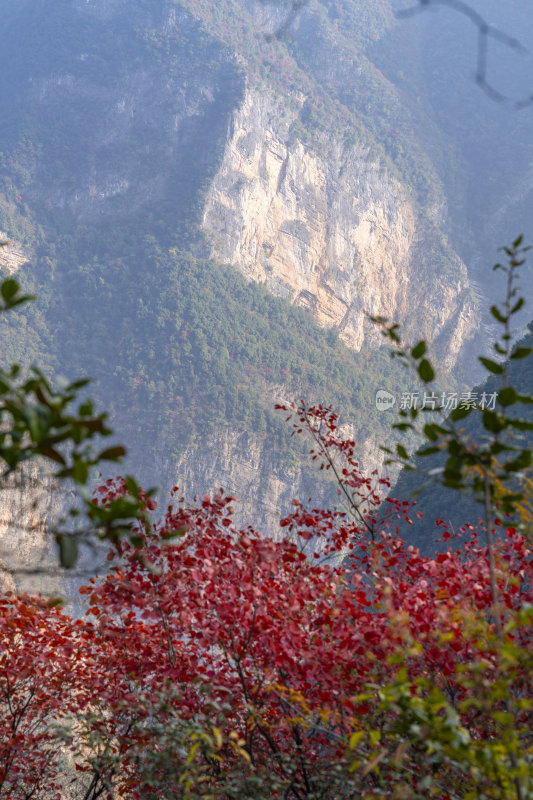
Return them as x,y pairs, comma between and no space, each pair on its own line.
150,151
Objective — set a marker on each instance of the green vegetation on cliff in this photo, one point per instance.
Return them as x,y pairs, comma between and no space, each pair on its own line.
181,345
116,123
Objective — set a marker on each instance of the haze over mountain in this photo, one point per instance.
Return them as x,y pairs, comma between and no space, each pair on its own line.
206,210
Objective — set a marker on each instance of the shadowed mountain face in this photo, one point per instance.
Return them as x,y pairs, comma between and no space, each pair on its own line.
160,160
103,124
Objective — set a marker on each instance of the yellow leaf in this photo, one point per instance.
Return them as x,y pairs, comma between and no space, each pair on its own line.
355,738
218,737
375,736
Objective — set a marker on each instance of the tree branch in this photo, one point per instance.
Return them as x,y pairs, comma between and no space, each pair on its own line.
485,31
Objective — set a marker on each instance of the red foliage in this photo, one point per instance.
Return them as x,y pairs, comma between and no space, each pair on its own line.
208,621
43,675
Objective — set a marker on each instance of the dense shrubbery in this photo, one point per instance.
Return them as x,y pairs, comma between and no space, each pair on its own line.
334,663
215,663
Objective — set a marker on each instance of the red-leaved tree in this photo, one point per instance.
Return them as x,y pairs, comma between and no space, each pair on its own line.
335,663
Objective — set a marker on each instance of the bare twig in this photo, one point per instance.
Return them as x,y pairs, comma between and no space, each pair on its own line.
296,7
485,31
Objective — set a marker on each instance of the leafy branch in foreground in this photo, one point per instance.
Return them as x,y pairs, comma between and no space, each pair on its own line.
40,425
216,663
480,467
360,515
490,469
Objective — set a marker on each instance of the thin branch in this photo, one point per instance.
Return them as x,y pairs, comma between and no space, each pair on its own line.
354,507
485,31
282,30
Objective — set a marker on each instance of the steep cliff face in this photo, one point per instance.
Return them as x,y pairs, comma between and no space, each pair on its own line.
130,120
29,506
333,230
120,124
263,480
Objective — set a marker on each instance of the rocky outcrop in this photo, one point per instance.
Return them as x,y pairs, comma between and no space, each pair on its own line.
30,505
333,231
149,111
12,254
263,480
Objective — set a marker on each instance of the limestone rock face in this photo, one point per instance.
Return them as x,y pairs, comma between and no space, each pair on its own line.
12,254
29,506
328,225
264,481
333,231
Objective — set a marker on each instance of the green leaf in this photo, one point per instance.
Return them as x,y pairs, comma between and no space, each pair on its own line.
518,305
174,534
80,472
133,487
521,424
455,449
523,461
498,447
419,349
425,370
112,454
507,396
509,501
433,431
460,413
492,422
94,425
76,385
38,422
428,451
9,288
402,452
492,366
452,480
23,299
49,452
521,352
86,409
497,314
68,551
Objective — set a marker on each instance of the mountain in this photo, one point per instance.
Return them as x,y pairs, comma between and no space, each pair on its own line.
207,196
